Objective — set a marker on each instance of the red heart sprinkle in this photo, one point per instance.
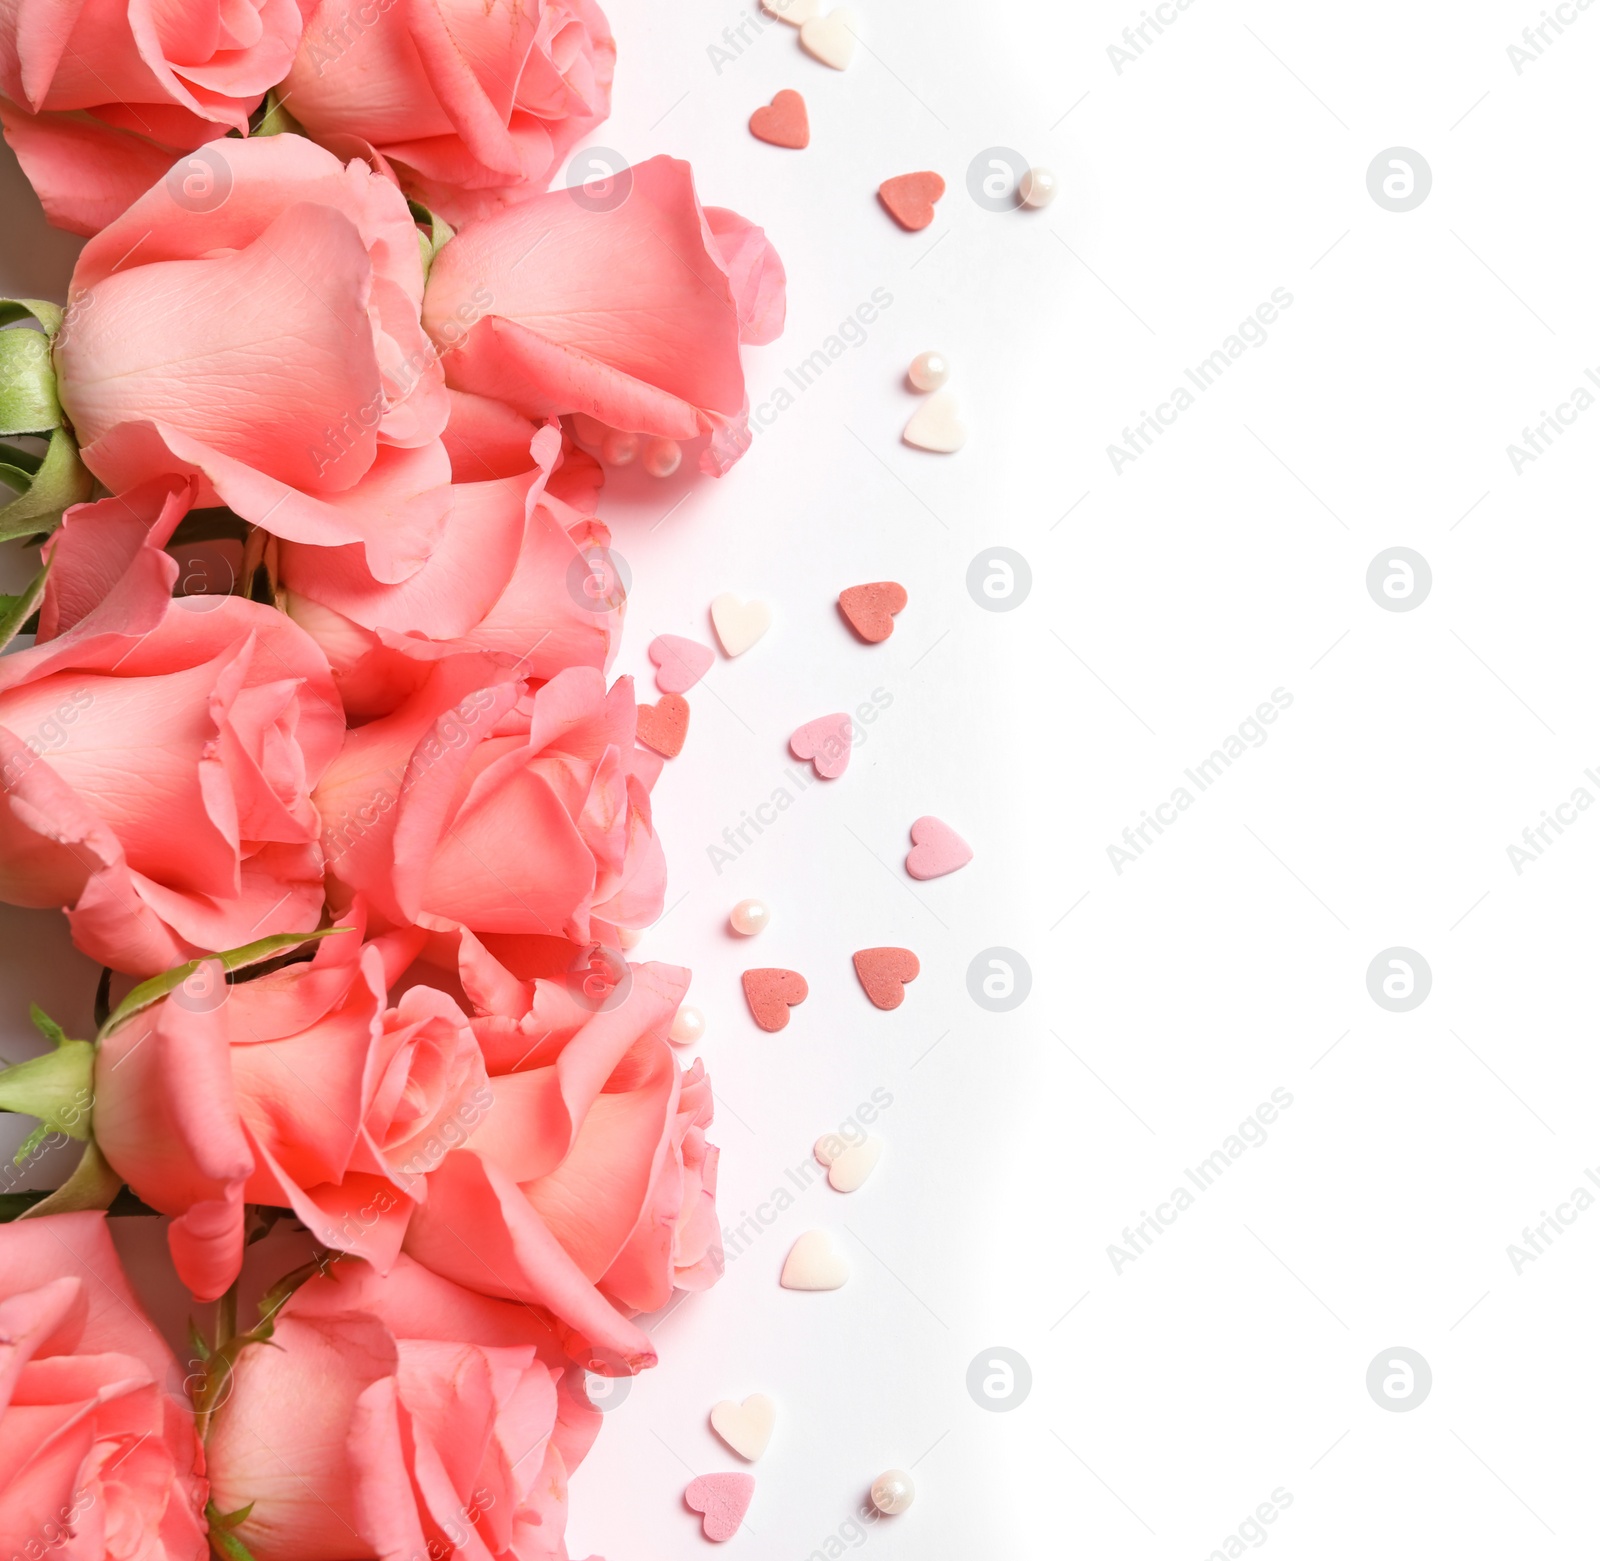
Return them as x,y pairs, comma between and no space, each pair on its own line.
870,609
783,121
772,993
883,974
909,198
664,725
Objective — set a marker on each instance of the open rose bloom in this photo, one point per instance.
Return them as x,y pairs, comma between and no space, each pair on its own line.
209,839
629,308
100,100
401,1417
267,346
303,1089
98,1452
589,1187
474,104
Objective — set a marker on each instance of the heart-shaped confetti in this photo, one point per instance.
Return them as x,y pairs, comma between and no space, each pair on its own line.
722,1501
795,12
870,609
936,849
739,624
772,993
783,121
746,1427
826,743
664,725
679,663
909,198
936,425
883,974
830,38
849,1165
814,1263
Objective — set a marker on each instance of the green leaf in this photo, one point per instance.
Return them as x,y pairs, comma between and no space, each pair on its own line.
158,987
61,481
46,1026
14,612
28,403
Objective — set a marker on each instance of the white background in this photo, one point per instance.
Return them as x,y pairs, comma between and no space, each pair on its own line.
1167,603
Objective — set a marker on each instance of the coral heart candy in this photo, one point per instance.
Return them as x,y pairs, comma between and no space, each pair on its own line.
870,609
722,1501
679,663
783,121
909,198
772,993
936,849
883,974
664,725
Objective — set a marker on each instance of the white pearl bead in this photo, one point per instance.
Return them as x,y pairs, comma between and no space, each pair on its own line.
588,430
749,917
618,449
1038,187
929,370
893,1492
662,457
688,1025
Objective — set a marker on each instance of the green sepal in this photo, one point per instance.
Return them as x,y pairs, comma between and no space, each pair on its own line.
28,403
224,1541
61,481
48,315
92,1185
14,612
57,1088
433,233
158,987
274,119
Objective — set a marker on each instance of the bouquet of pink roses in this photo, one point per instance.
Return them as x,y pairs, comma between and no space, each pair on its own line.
343,801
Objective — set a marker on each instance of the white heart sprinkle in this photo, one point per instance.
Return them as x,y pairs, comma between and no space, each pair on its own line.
854,1165
795,12
830,38
746,1427
739,624
936,425
814,1263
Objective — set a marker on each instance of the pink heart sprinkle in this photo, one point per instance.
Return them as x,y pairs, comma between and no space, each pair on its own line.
826,743
680,663
936,849
722,1501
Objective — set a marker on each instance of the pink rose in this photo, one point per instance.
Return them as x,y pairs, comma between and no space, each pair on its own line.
488,802
302,1089
400,1417
100,99
501,580
627,306
97,1440
205,838
268,346
589,1188
475,105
